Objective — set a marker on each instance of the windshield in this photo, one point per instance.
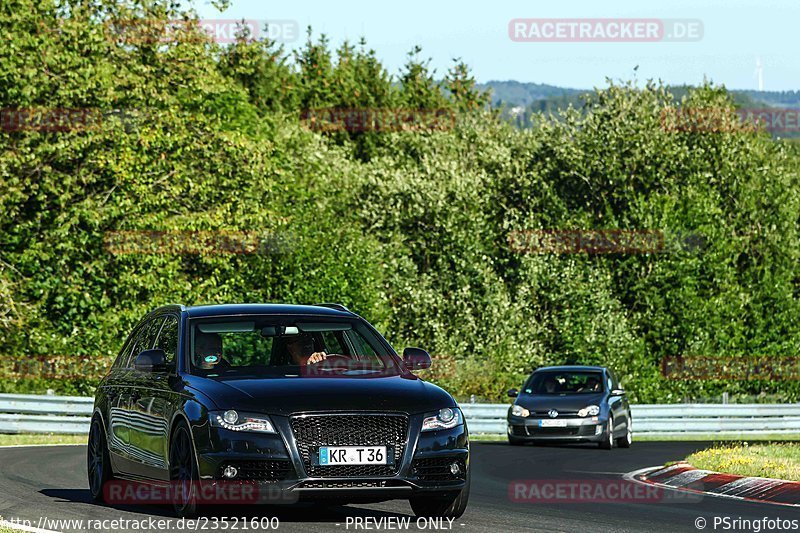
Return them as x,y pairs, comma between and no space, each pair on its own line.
568,382
269,346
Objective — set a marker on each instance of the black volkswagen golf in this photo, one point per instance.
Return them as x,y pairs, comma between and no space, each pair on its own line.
571,404
308,401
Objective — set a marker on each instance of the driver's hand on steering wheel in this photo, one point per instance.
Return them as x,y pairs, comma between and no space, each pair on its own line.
316,357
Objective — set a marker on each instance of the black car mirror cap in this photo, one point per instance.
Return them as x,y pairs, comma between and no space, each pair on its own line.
513,393
416,359
151,361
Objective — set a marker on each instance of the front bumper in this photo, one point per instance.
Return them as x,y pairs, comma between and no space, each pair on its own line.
273,465
589,429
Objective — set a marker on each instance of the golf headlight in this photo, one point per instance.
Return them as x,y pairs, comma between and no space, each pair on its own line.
236,421
518,410
446,418
591,410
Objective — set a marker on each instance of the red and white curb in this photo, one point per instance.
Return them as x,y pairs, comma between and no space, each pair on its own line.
684,477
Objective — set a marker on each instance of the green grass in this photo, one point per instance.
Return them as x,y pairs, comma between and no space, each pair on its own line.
774,460
714,437
708,437
11,440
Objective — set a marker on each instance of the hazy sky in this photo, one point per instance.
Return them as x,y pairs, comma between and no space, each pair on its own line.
736,33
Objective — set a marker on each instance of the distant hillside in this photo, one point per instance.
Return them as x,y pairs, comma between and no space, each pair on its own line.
515,93
519,100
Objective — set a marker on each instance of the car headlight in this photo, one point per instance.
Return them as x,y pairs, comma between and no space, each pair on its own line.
518,410
446,418
591,410
236,421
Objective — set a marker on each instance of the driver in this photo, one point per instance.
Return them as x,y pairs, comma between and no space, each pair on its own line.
592,385
301,349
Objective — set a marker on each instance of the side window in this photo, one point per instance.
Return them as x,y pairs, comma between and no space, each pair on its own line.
168,338
361,345
145,339
613,382
122,357
334,343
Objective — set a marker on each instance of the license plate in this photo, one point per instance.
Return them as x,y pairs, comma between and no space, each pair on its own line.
352,455
552,423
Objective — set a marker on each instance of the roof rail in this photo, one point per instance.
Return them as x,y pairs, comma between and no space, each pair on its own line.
338,307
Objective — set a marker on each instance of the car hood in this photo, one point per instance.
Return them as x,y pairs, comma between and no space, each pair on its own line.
285,396
567,403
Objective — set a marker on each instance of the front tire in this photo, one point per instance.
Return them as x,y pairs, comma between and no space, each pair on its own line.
450,506
183,472
627,440
608,435
98,461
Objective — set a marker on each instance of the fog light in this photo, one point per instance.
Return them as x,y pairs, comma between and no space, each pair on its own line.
455,469
598,430
230,472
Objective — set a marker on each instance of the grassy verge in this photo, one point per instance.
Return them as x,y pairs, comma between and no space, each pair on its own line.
708,437
11,440
775,460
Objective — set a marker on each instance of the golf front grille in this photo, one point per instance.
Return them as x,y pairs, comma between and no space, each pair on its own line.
313,431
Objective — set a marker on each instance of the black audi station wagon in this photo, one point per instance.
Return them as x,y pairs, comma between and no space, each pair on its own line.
309,401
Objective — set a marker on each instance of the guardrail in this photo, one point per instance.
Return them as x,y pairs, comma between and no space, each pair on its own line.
670,420
24,413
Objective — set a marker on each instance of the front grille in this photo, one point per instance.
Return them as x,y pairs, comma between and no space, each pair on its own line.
438,469
555,432
561,414
260,470
313,431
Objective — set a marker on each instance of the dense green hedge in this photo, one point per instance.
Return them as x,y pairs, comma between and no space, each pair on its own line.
409,228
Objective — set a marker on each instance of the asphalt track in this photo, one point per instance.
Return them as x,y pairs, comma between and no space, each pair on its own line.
50,482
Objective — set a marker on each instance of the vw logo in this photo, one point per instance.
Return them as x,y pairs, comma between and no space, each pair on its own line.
552,413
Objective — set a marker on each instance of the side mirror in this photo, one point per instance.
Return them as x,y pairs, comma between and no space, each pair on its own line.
617,392
416,359
513,393
151,361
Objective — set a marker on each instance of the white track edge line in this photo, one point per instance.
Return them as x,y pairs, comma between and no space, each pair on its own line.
20,527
